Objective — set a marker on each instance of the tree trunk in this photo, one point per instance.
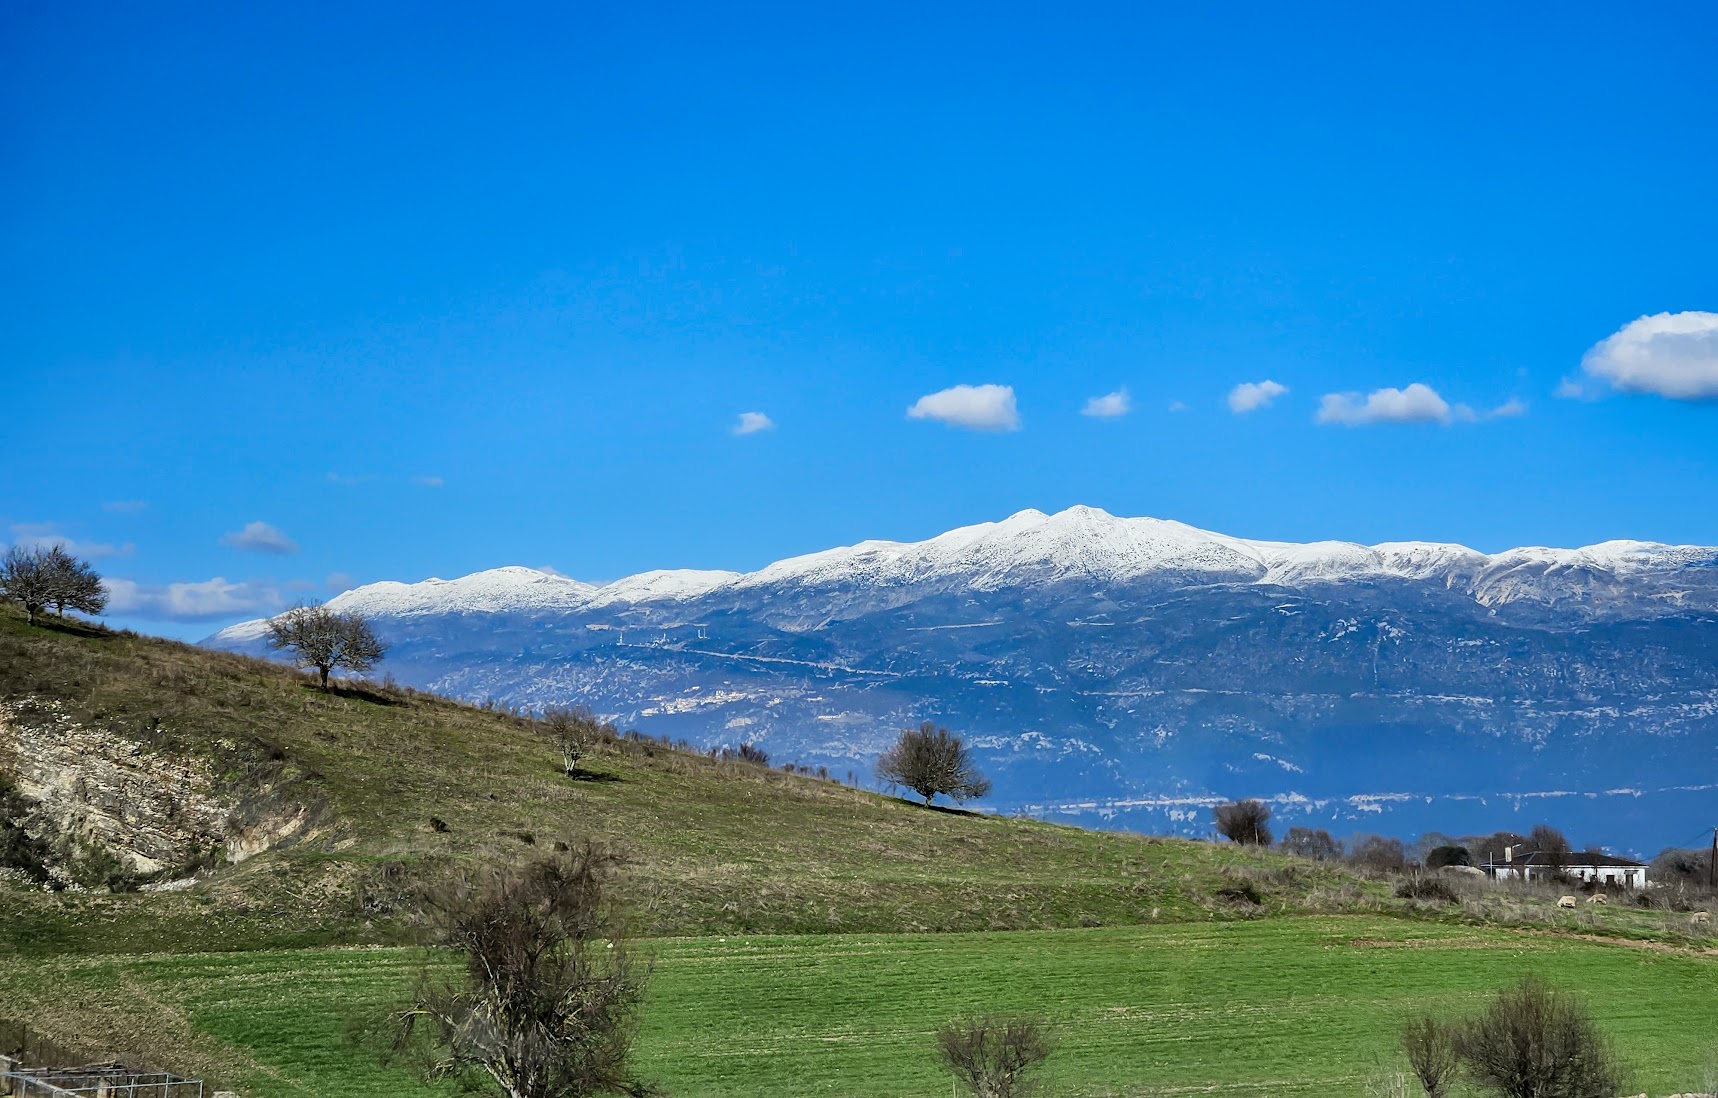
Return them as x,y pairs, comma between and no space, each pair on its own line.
324,671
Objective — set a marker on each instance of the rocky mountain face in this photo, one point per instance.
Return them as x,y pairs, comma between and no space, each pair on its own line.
1133,671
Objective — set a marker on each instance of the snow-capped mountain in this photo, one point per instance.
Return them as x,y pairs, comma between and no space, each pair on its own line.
1133,667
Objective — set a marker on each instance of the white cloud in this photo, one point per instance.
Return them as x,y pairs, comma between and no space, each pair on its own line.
1177,406
1674,355
46,535
979,407
199,601
124,506
1509,409
1250,395
1418,403
1109,406
750,423
259,537
428,482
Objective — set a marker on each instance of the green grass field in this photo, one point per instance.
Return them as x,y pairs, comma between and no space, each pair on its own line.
1283,1006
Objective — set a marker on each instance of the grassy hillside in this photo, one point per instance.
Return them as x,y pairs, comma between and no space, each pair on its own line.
403,783
806,937
1304,1006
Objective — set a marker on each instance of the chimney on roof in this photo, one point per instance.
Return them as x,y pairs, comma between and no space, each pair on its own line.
1509,853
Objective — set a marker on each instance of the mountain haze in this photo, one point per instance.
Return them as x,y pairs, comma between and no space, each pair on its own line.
1133,669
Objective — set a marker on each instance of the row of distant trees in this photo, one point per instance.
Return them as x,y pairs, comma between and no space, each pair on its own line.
46,576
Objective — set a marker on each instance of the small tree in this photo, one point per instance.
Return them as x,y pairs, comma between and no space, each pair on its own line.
993,1057
928,760
326,639
1309,843
575,732
1378,854
1533,1041
1244,822
1433,1050
1441,856
547,1004
27,578
73,584
1553,845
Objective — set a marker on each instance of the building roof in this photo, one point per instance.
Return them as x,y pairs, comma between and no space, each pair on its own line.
1575,859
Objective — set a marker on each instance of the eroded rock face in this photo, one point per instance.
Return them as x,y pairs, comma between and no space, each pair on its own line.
102,790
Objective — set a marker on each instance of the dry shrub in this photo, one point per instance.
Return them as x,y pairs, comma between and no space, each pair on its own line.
1434,1053
994,1057
1534,1041
1421,887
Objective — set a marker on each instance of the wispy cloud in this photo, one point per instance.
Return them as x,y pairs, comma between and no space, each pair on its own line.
428,482
1672,355
750,423
1252,395
259,537
976,407
125,506
44,535
1509,409
1177,406
195,601
1109,406
345,479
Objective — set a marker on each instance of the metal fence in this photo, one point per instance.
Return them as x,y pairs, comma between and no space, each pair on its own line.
93,1081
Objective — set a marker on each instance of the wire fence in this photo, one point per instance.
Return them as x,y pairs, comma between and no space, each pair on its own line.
28,1070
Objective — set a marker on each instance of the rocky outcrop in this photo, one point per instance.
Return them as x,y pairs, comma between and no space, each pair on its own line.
96,789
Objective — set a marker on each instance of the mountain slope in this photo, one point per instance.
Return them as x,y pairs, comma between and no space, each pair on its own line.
1136,669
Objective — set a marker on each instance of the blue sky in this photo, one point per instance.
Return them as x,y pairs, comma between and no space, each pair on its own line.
304,296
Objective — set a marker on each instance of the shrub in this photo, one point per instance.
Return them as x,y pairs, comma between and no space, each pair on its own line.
992,1056
1244,822
575,733
1533,1041
1378,854
1420,887
1317,844
1432,1048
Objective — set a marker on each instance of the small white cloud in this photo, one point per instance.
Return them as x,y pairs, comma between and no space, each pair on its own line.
198,601
1251,395
1109,406
428,482
259,537
46,535
750,423
125,506
1673,355
1177,406
978,407
1418,403
342,478
1509,409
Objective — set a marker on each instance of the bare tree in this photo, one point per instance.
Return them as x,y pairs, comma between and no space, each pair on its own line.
326,639
1534,1041
1433,1050
1378,854
73,583
993,1056
576,733
548,1001
1309,843
1244,822
26,578
1552,845
928,760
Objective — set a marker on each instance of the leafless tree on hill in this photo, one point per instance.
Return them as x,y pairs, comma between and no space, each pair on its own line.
993,1057
74,584
325,639
1553,844
25,578
1309,843
575,732
1245,822
928,760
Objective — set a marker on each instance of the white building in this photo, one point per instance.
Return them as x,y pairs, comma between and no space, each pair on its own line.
1530,865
